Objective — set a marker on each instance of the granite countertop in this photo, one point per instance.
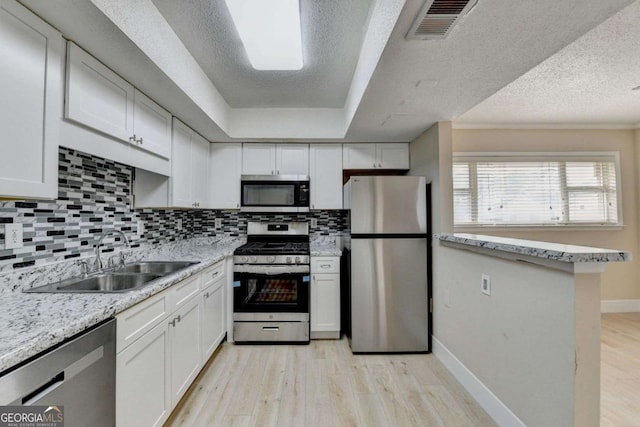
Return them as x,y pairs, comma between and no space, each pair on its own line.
32,322
324,246
546,250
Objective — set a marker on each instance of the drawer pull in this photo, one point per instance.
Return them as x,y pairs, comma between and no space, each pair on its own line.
215,274
271,328
325,265
206,295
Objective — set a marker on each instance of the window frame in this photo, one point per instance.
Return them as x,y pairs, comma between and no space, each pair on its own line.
594,156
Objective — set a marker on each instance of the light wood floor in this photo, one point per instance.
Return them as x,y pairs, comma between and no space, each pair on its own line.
620,372
324,384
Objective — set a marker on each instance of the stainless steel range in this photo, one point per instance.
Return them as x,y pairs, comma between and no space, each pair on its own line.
271,284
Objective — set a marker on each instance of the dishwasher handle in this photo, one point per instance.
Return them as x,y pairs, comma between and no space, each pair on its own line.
44,389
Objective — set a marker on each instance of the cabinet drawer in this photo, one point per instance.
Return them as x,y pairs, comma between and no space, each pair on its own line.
212,274
325,265
137,320
184,291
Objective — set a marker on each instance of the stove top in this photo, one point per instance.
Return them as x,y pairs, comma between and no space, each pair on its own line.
273,248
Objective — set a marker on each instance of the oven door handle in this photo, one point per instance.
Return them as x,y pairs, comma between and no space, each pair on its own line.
271,270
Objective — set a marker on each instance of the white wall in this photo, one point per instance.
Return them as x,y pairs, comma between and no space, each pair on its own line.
534,342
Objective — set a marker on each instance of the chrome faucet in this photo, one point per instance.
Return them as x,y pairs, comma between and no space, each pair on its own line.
102,236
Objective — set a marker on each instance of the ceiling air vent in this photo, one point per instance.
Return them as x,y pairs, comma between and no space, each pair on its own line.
438,17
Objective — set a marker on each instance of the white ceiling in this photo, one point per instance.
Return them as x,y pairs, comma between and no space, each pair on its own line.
386,89
587,84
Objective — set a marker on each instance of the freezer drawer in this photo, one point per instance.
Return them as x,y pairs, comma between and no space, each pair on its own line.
389,299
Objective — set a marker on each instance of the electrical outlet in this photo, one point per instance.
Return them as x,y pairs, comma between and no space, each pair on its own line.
140,228
218,223
179,225
486,284
314,223
13,236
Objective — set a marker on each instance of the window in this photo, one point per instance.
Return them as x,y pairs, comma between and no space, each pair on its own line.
535,189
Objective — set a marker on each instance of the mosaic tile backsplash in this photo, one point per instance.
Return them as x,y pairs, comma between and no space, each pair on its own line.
94,195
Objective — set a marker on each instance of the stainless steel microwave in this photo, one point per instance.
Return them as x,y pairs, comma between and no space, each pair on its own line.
274,193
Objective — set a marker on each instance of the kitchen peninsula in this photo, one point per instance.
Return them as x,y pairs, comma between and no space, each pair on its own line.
520,325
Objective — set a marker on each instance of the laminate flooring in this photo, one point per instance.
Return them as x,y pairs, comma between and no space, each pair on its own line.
620,370
324,384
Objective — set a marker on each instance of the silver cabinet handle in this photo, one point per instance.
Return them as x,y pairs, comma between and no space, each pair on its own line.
374,165
140,141
173,322
237,205
271,172
215,274
179,318
132,138
206,295
379,165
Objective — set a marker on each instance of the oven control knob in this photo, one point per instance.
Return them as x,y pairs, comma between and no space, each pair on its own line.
272,259
297,260
243,259
288,260
254,259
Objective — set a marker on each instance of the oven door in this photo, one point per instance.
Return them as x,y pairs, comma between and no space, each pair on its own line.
272,291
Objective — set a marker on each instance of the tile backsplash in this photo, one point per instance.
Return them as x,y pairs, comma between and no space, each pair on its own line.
94,195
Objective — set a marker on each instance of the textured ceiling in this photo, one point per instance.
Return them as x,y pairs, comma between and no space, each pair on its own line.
587,83
399,88
332,34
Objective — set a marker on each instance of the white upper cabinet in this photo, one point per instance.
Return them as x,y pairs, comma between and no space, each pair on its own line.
292,159
359,156
393,156
151,126
100,99
189,168
258,159
376,156
275,159
32,55
97,97
225,168
325,176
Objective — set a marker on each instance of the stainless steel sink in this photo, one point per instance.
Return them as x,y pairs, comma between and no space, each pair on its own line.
128,278
156,267
105,282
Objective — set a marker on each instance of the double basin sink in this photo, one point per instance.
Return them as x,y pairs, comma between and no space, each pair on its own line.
127,278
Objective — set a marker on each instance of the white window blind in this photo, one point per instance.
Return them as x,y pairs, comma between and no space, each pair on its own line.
535,190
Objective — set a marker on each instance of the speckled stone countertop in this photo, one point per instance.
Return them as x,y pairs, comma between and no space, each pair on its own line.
33,322
324,246
546,250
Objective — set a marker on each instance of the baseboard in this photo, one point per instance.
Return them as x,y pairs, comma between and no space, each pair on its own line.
620,306
497,410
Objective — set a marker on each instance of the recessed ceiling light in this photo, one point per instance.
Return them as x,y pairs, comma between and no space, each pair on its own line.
270,32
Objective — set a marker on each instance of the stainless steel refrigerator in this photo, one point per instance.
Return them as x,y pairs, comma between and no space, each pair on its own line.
389,251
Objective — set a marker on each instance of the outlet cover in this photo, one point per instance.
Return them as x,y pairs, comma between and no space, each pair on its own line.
179,225
140,228
486,284
218,223
13,236
314,223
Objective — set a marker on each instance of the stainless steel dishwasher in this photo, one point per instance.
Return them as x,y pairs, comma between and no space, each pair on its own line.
78,374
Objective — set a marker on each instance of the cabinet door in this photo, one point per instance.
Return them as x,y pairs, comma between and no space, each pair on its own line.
225,167
325,175
200,171
258,159
325,303
143,394
97,97
151,126
185,348
32,55
181,188
292,159
213,316
392,156
359,156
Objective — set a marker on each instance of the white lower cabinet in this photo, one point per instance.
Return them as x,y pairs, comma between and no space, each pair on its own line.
143,394
186,356
163,343
325,297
